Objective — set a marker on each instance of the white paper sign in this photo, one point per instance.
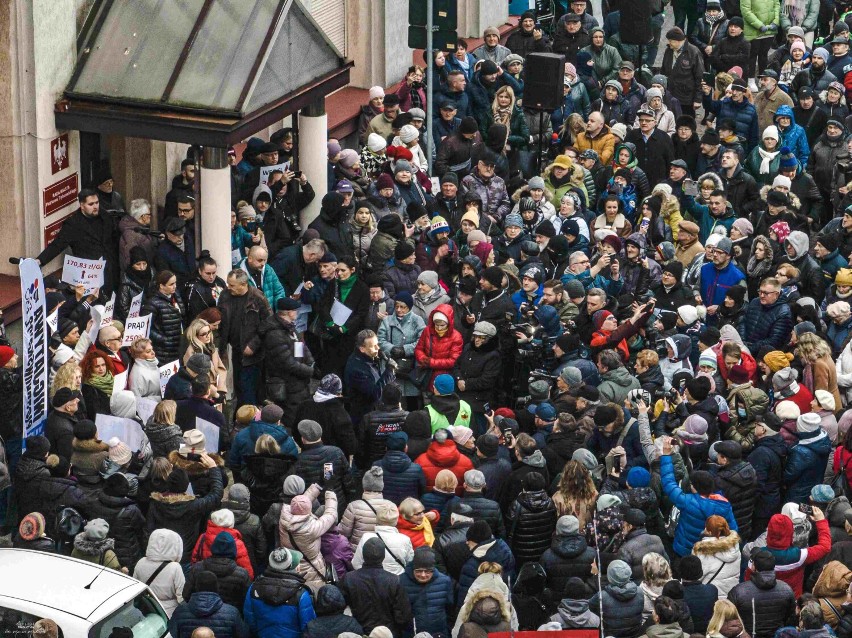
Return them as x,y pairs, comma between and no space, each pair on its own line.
53,320
135,306
107,312
127,430
266,170
298,349
95,314
236,257
89,272
119,382
135,328
211,434
166,373
299,289
145,408
339,313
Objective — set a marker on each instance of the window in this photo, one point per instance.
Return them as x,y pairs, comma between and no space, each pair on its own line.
17,624
143,615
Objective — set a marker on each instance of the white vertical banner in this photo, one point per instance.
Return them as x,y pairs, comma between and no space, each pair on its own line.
35,347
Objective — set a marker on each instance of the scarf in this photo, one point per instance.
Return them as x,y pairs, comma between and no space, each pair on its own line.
561,181
756,268
345,287
425,527
103,383
714,20
322,397
766,159
502,114
796,10
141,278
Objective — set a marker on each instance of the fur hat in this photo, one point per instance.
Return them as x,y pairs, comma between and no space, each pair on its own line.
32,527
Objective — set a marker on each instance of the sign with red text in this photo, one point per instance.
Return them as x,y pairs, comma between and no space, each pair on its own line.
61,194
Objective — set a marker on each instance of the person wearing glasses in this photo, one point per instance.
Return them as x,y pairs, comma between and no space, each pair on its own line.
768,319
109,342
718,276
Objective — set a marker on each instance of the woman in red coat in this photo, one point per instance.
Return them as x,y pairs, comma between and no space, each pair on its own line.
443,454
221,521
440,345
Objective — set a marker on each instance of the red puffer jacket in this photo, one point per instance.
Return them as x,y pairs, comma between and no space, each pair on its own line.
439,354
205,542
444,456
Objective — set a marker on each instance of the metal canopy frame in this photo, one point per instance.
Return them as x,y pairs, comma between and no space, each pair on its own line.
85,106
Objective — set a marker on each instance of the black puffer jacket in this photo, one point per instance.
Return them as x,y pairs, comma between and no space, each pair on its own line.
247,524
569,556
487,510
451,550
37,491
310,466
126,526
767,459
622,607
479,368
638,543
773,600
264,475
333,227
560,447
166,324
233,580
377,598
183,513
738,483
331,621
531,521
279,337
377,426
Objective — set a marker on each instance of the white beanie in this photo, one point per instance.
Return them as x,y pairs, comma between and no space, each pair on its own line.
408,133
688,314
825,400
808,422
440,316
376,142
783,181
771,131
222,518
376,91
787,410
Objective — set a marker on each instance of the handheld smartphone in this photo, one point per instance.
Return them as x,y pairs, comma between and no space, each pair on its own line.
804,508
383,306
192,456
707,78
486,407
297,174
327,471
507,434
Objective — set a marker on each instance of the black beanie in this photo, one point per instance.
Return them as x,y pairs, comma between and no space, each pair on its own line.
479,532
494,276
675,268
690,567
206,581
37,447
85,429
403,250
737,293
178,481
829,241
698,388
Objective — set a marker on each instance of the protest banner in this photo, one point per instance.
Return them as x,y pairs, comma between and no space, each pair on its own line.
119,381
135,328
126,430
211,434
108,312
266,170
34,348
135,306
145,408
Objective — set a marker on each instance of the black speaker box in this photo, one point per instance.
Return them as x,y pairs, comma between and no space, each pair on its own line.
543,82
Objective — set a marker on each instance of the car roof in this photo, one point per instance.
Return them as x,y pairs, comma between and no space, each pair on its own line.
60,582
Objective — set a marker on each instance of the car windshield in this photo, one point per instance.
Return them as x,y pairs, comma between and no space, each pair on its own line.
143,615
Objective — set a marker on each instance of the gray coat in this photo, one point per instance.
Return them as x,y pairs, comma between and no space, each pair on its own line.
404,332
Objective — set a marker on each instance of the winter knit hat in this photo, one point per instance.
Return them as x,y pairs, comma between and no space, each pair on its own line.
708,358
119,453
96,529
785,378
408,133
444,384
331,384
32,527
638,477
428,277
373,480
838,309
781,230
808,422
224,545
744,226
825,400
738,374
777,360
283,559
567,525
300,505
695,424
376,143
618,573
787,411
310,431
293,485
222,518
599,317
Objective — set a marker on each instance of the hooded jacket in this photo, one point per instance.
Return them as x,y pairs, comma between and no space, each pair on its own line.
767,458
738,483
403,477
794,136
622,607
435,352
806,465
772,599
811,280
206,609
332,225
430,602
278,605
164,545
331,621
616,384
569,556
720,561
205,542
444,456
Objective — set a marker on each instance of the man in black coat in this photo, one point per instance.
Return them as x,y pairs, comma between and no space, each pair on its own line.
281,223
654,149
737,481
59,428
772,599
379,424
289,363
767,458
326,408
483,508
494,467
323,464
451,550
298,263
376,596
699,597
365,375
683,64
88,234
177,252
199,405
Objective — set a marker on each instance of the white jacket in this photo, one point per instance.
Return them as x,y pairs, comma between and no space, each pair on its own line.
163,545
716,553
844,374
145,379
395,541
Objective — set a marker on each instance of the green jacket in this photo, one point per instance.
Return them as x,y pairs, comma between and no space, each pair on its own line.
752,166
519,132
809,22
757,13
272,288
606,61
440,421
755,402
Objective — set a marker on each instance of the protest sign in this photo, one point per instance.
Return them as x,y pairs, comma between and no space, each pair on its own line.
211,434
266,170
107,312
88,272
119,382
127,430
145,408
135,328
166,373
34,348
135,306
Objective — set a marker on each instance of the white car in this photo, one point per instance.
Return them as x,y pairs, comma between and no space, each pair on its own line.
84,599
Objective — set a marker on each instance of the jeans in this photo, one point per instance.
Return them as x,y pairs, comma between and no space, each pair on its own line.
653,48
246,379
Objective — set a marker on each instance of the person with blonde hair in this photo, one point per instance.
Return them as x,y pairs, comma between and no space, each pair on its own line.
69,375
726,621
399,551
416,523
820,373
488,597
442,497
656,572
164,435
200,338
144,379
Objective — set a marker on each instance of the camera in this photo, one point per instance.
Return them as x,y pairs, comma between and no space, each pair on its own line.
251,227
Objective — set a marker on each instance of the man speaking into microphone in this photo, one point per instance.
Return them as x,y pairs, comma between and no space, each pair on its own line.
368,370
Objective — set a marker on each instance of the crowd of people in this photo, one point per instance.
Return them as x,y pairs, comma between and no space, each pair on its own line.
606,387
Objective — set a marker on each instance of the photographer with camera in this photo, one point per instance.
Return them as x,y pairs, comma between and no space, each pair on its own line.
609,334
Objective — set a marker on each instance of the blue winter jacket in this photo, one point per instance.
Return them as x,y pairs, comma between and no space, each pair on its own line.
271,285
830,264
493,551
705,220
270,608
694,509
806,465
520,297
715,283
767,325
744,114
430,602
247,437
794,136
403,477
206,609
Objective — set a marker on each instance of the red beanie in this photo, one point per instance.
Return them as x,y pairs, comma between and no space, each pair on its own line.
779,532
599,317
738,374
6,354
506,413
